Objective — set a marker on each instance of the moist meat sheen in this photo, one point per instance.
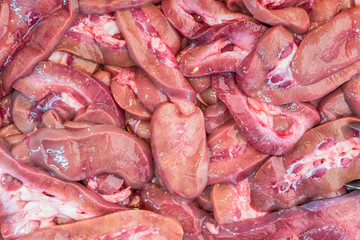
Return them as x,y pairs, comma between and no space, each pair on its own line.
179,119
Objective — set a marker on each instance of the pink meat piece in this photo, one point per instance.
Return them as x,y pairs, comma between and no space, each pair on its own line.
231,203
192,219
124,89
141,128
179,148
149,95
109,6
98,149
237,5
32,198
51,119
335,218
84,65
325,158
268,128
98,113
334,106
321,11
270,77
72,87
211,13
103,76
40,43
105,183
132,224
295,19
17,18
92,37
5,110
24,111
276,4
204,199
351,92
208,97
9,130
330,48
229,45
121,196
199,84
216,115
232,159
153,51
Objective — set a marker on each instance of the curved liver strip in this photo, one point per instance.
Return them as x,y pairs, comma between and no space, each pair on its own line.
335,218
109,6
157,199
271,129
16,18
295,19
229,46
153,50
270,77
149,95
216,115
92,37
232,158
334,106
328,49
24,112
124,88
36,191
324,159
132,224
49,77
178,144
41,41
351,91
211,13
83,153
97,113
231,203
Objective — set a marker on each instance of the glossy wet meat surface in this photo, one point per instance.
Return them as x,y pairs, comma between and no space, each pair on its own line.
179,119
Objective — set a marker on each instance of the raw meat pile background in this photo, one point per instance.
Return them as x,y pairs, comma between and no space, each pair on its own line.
179,119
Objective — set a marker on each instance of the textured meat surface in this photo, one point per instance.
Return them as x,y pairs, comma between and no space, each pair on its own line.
322,219
232,159
32,198
179,149
132,224
325,158
78,154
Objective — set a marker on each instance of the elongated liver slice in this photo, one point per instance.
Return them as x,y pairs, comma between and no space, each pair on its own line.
179,148
78,154
289,72
156,198
335,218
131,224
31,198
109,6
153,50
93,37
270,129
71,86
325,158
